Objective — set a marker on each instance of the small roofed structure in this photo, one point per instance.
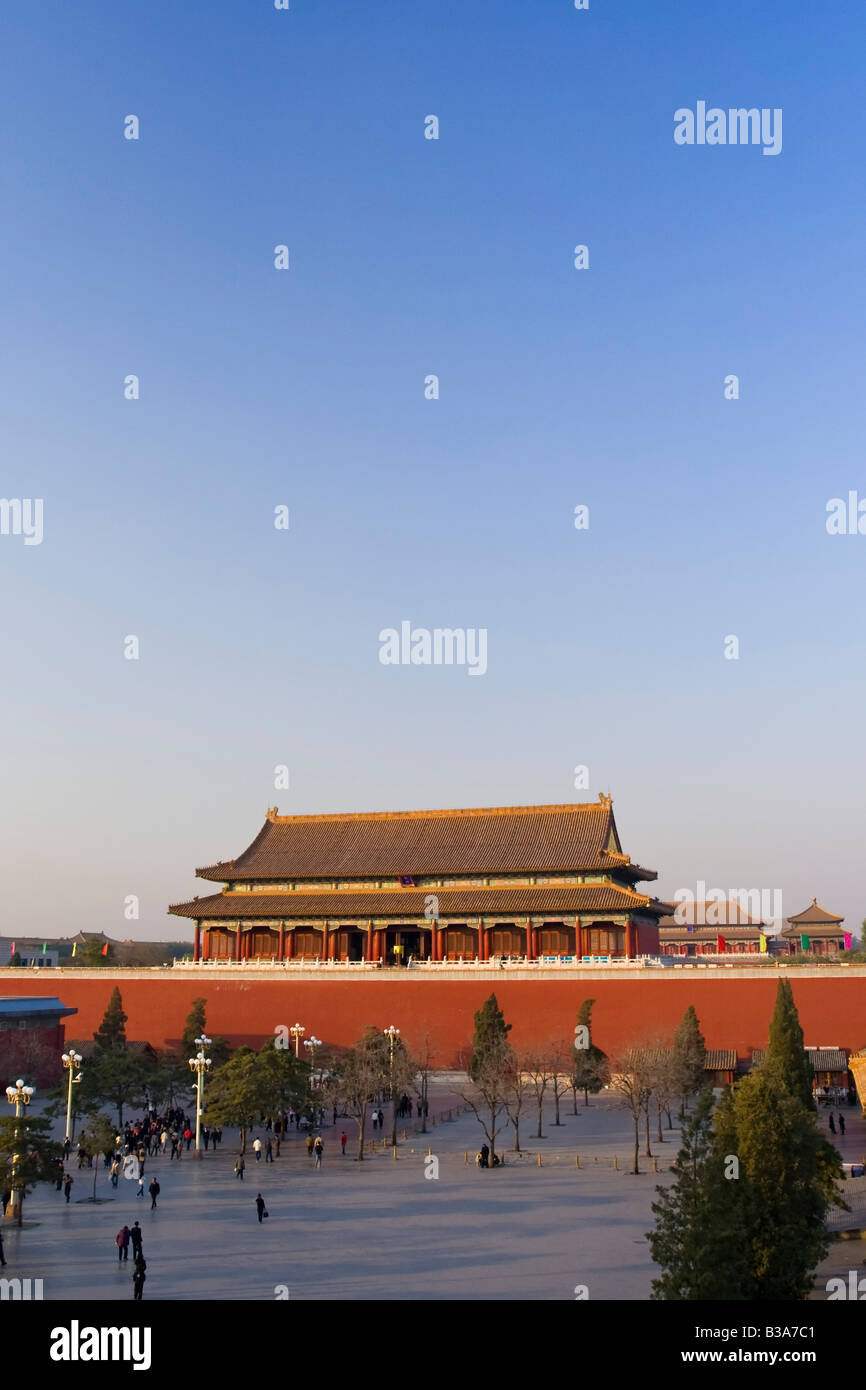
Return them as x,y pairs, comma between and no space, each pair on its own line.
815,932
829,1069
720,1063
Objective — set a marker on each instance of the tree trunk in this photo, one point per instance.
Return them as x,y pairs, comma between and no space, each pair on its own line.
574,1096
659,1134
648,1150
516,1124
557,1121
243,1139
95,1176
361,1123
586,1095
636,1169
539,1134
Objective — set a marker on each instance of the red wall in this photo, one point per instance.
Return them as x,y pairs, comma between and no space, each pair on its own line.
734,1010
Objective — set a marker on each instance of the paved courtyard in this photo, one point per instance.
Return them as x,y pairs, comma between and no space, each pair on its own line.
377,1229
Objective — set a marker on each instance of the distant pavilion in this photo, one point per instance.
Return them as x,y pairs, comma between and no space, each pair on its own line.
524,882
820,928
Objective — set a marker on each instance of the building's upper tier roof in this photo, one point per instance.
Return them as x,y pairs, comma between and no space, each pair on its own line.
503,839
815,916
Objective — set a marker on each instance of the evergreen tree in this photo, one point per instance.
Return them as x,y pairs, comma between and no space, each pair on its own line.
491,1069
234,1093
27,1155
698,1236
689,1056
786,1057
110,1036
97,1138
116,1077
590,1068
787,1174
195,1026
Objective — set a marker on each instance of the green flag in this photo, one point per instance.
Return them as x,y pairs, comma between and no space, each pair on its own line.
804,943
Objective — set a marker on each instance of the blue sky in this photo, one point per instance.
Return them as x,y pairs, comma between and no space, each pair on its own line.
305,387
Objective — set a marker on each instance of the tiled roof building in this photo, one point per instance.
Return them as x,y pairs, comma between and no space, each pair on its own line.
815,932
518,881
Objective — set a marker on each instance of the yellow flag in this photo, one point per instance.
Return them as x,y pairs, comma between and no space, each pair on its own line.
74,947
763,942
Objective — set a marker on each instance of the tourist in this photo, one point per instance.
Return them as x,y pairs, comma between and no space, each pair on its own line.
841,1123
67,1186
205,1134
163,1140
319,1150
310,1145
240,1165
2,1256
121,1240
343,1140
187,1134
140,1192
154,1191
375,1119
277,1142
257,1149
832,1125
135,1239
269,1152
260,1207
138,1278
485,1156
115,1172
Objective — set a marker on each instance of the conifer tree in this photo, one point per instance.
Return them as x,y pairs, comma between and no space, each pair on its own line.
590,1068
195,1025
491,1068
689,1056
110,1036
786,1057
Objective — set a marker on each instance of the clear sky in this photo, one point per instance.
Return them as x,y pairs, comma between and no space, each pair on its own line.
305,388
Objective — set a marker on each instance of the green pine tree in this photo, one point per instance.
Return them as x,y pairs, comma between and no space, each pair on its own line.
689,1056
490,1041
194,1027
27,1155
785,1056
590,1068
110,1036
697,1224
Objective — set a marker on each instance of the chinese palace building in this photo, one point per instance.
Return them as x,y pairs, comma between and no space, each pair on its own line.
524,882
816,932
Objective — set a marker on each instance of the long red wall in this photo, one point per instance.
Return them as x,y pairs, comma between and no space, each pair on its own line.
734,1009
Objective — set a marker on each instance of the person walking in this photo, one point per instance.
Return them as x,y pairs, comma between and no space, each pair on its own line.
319,1149
832,1125
277,1142
187,1134
269,1152
140,1192
260,1207
138,1278
121,1240
205,1134
344,1139
257,1149
2,1256
309,1145
67,1186
135,1241
841,1123
154,1191
240,1165
115,1170
163,1140
375,1118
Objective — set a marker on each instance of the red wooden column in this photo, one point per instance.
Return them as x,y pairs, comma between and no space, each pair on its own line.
281,953
289,950
630,949
434,939
332,944
530,940
205,941
368,944
238,943
483,942
196,949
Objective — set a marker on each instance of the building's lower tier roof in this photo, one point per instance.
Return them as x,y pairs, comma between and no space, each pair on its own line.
412,902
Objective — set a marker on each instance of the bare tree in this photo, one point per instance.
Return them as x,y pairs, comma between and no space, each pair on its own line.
629,1085
560,1076
537,1069
515,1095
357,1078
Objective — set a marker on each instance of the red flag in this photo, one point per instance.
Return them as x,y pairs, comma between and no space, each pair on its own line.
721,944
105,949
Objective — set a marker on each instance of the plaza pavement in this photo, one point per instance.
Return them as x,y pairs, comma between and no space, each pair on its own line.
380,1229
372,1230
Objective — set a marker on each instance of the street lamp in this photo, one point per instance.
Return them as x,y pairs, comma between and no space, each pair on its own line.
199,1064
312,1043
392,1034
18,1095
297,1031
71,1061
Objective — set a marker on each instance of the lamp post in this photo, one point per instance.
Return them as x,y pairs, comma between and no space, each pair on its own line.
312,1043
297,1031
18,1095
392,1034
71,1061
199,1064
